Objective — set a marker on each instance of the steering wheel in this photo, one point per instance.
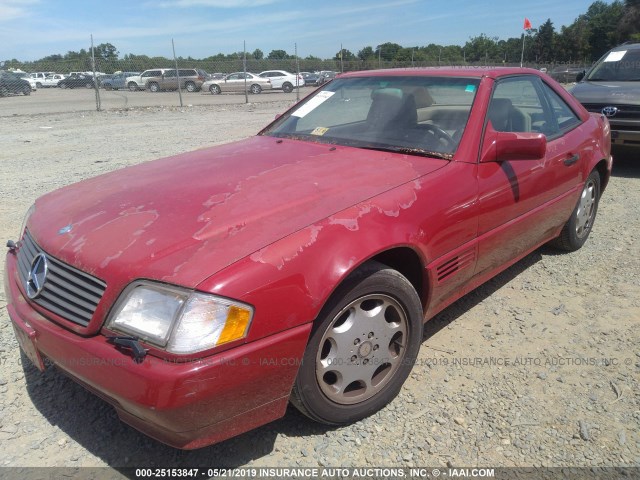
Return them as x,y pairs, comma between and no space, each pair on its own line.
440,135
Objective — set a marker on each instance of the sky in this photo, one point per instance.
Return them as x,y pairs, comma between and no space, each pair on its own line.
32,29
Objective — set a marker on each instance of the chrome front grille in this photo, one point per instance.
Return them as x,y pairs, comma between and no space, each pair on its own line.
67,292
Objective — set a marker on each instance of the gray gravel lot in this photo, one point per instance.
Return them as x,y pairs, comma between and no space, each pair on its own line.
538,367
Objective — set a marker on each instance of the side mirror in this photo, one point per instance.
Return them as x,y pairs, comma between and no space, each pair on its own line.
506,146
580,76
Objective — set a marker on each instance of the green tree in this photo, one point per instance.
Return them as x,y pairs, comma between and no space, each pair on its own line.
366,53
388,51
346,55
106,52
544,42
278,55
257,54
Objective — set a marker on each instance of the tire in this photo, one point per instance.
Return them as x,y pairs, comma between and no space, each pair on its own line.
362,347
4,92
64,85
215,89
88,85
255,88
108,87
27,90
576,231
38,85
133,86
190,87
153,87
287,87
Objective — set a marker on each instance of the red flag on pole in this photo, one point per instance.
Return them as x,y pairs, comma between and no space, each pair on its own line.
527,24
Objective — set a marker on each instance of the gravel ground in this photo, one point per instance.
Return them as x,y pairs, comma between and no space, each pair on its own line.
539,367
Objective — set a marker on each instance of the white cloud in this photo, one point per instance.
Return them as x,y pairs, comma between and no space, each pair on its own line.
214,3
12,9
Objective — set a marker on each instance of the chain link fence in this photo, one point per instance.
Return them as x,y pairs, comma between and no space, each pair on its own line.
99,79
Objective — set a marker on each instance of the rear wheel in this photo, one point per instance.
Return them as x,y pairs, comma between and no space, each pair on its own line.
88,85
214,89
255,88
38,85
26,90
576,231
190,86
108,87
153,87
133,86
287,87
362,347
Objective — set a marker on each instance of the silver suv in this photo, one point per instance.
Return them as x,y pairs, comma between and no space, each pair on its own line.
191,80
139,82
612,87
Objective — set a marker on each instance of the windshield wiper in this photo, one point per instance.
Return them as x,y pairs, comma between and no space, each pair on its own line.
410,151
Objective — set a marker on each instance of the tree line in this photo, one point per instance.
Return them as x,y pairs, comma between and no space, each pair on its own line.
593,33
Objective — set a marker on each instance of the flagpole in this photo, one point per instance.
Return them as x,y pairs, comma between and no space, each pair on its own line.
522,54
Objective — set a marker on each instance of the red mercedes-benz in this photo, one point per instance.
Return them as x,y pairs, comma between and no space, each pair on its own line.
200,294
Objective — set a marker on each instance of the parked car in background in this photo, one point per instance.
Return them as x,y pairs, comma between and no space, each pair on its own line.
77,81
39,77
116,81
310,78
139,82
201,293
565,73
283,80
30,79
13,83
612,88
191,80
324,77
51,80
237,82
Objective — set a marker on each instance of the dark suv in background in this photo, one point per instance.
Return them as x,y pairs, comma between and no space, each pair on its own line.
11,82
612,87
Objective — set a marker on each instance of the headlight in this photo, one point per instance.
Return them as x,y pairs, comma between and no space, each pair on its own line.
178,320
27,215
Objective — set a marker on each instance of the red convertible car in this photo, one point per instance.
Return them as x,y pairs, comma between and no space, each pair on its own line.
200,294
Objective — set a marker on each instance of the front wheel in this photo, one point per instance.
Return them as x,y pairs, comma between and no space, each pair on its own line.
133,86
153,87
255,88
576,231
88,85
38,85
190,87
214,89
362,347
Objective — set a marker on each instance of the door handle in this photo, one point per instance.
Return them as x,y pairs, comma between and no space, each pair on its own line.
571,160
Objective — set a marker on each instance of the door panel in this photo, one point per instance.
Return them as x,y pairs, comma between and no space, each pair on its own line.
523,202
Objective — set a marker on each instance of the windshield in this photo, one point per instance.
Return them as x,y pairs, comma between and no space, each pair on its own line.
410,114
619,66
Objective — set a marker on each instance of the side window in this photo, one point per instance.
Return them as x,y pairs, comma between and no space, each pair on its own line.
520,104
516,106
235,76
565,117
170,74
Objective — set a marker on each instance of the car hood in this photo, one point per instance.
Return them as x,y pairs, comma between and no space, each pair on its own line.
183,218
607,92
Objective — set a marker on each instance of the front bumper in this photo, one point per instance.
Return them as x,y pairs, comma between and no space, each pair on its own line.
185,405
622,135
